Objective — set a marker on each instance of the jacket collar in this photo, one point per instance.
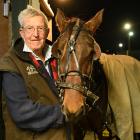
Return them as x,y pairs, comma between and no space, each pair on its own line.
18,49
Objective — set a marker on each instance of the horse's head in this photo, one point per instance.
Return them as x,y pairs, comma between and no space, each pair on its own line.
76,49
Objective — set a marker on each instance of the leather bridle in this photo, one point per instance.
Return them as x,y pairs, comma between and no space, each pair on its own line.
61,83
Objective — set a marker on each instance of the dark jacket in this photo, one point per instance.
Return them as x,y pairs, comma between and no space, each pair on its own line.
39,96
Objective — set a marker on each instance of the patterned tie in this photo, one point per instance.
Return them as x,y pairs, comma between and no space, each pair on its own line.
43,71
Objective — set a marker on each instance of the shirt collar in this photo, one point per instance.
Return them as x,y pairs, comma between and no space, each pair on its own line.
47,52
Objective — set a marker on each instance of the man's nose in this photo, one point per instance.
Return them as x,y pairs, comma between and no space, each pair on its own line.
36,32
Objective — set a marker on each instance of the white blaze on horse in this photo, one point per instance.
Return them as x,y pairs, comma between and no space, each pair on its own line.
89,80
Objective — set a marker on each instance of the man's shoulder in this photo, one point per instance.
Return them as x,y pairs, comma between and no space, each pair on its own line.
7,60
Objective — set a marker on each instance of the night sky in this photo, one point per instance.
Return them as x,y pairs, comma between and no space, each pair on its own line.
116,14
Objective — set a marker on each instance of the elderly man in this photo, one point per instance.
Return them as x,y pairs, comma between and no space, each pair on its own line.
30,104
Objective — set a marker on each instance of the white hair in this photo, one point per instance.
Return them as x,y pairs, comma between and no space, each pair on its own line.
31,12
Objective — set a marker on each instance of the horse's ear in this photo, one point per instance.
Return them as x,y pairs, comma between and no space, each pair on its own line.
60,20
97,51
95,21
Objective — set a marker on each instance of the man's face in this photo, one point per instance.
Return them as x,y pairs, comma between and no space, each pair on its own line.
34,32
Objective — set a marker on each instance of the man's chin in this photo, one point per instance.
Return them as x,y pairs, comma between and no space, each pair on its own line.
36,47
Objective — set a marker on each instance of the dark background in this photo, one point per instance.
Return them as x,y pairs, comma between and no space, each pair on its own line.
111,32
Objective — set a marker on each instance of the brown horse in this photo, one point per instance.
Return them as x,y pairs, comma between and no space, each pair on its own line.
84,91
82,82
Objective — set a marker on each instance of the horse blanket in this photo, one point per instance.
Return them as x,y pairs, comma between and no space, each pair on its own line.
123,75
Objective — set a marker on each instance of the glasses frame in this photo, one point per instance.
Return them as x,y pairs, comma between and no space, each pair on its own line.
31,29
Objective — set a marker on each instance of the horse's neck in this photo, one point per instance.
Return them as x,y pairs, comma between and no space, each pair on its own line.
98,74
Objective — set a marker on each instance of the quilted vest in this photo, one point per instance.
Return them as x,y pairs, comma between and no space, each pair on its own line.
38,91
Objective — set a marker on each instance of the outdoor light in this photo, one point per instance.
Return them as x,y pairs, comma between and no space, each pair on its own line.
120,45
127,26
131,33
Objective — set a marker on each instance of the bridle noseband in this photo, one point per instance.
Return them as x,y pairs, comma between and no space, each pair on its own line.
61,83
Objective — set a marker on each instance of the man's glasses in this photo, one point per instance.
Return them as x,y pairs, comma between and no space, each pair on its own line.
31,29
